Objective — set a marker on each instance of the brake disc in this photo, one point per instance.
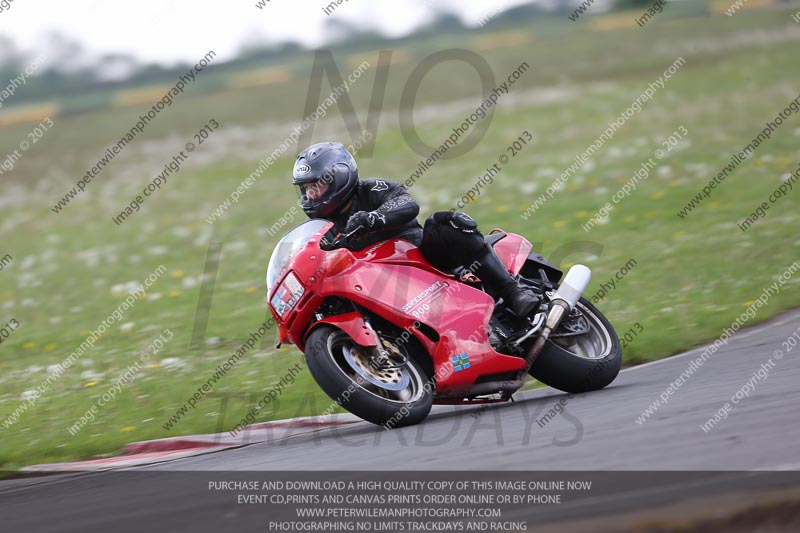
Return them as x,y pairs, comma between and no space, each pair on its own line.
392,378
575,324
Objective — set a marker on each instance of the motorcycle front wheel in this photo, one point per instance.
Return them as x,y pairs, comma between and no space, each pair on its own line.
392,396
584,362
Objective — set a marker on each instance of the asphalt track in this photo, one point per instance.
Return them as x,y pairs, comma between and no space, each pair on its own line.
597,432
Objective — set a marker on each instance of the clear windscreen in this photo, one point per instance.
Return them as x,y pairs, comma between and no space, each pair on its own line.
288,246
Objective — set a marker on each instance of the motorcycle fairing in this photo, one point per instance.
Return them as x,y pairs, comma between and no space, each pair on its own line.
392,282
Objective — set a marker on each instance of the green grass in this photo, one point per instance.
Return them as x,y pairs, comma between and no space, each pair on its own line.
693,277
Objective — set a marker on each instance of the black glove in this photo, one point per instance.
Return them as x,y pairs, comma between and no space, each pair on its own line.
360,219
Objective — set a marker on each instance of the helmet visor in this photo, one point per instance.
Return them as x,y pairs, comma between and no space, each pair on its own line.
315,193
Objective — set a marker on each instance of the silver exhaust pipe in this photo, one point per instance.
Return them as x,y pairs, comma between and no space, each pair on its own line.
565,298
567,295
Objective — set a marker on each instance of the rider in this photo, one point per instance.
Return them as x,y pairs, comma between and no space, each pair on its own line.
326,176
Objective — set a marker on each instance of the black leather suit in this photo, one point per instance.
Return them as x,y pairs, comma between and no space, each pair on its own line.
448,240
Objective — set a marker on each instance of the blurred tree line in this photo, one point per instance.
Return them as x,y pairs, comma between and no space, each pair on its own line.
69,70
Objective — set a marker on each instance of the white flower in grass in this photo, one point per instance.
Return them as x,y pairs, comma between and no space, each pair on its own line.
90,257
171,363
26,279
236,246
28,394
133,286
126,327
545,172
55,320
202,241
123,289
157,250
153,296
181,231
90,375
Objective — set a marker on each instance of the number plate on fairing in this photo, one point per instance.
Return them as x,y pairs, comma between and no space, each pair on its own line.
287,295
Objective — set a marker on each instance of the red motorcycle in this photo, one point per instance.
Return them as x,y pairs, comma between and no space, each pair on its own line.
386,334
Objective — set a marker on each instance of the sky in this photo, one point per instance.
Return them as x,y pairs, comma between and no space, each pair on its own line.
168,31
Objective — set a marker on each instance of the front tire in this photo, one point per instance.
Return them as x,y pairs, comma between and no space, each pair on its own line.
583,363
391,398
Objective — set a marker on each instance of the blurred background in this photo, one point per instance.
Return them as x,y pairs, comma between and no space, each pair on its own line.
76,77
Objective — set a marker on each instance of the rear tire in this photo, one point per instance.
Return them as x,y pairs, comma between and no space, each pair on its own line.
328,350
584,363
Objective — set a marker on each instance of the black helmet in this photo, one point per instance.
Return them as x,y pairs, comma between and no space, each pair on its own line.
329,173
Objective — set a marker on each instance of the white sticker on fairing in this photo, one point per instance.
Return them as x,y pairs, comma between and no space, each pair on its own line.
425,295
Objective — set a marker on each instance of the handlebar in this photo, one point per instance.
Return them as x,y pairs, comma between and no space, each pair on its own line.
341,240
355,231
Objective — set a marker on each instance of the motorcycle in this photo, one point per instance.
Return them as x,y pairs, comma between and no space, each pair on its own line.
386,335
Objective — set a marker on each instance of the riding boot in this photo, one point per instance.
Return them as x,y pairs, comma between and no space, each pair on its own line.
494,274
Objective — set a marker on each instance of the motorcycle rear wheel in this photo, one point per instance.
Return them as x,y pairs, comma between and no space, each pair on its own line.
582,363
391,398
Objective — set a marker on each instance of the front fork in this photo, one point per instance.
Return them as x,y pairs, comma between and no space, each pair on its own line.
358,327
382,358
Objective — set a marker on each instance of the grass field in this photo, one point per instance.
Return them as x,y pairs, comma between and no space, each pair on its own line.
693,276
